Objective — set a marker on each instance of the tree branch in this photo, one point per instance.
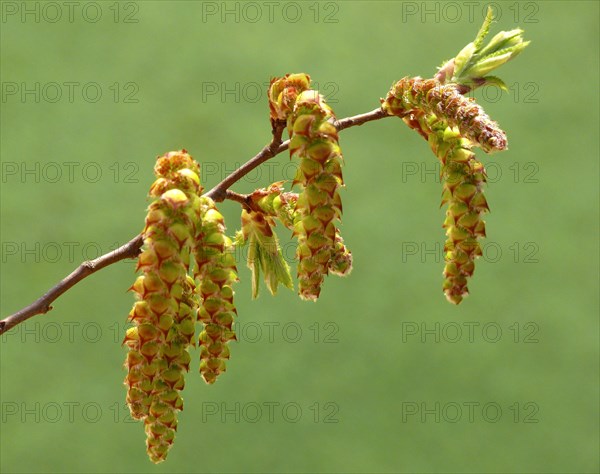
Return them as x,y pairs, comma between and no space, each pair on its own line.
243,199
132,248
218,193
42,305
360,119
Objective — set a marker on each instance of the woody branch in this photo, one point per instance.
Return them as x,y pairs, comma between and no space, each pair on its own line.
132,248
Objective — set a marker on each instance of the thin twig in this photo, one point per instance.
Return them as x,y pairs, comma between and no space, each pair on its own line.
42,305
269,151
243,199
348,122
132,248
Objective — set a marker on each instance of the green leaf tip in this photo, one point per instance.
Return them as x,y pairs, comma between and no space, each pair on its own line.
485,28
471,65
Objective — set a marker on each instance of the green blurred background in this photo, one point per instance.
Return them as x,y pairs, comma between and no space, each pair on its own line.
382,374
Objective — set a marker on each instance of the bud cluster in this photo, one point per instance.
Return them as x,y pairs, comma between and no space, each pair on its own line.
273,202
258,223
283,93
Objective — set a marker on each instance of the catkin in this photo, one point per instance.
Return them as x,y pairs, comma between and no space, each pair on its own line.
314,141
215,274
447,103
164,313
463,178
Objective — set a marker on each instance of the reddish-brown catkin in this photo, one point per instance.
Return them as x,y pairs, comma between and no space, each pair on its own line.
447,103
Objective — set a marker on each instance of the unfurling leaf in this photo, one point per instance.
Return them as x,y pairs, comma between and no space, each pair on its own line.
264,252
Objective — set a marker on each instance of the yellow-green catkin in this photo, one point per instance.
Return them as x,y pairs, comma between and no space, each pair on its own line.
463,178
314,141
164,313
215,274
447,103
453,126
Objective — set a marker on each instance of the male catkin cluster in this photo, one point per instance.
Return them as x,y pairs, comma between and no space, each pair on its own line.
165,311
184,235
187,261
